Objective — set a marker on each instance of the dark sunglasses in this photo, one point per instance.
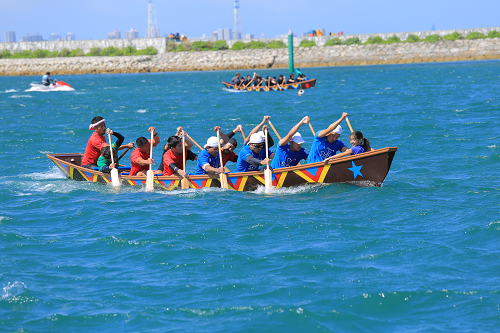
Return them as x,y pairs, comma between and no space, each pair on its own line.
258,145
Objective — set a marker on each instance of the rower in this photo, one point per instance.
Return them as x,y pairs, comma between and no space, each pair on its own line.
140,159
173,158
359,144
209,160
326,143
290,151
291,79
105,161
252,156
96,142
235,80
189,154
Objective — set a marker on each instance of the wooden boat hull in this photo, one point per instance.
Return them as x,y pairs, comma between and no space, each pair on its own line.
367,169
302,85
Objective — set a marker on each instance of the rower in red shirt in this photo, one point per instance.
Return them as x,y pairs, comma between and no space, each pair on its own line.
96,141
140,158
229,147
173,158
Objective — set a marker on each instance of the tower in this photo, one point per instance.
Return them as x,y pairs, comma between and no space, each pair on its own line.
237,20
152,30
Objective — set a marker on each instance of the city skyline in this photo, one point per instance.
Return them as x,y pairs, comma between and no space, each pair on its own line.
96,19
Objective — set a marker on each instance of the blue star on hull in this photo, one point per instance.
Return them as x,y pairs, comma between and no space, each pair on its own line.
356,170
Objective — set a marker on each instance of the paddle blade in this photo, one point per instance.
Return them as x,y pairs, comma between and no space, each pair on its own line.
115,180
150,178
184,183
223,181
268,178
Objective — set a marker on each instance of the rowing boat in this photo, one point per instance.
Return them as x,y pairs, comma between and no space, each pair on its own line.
299,85
366,169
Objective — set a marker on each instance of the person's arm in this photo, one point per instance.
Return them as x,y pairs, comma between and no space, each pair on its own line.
190,155
127,146
178,171
270,140
257,128
223,136
156,138
294,130
332,126
189,144
255,161
347,152
211,169
119,138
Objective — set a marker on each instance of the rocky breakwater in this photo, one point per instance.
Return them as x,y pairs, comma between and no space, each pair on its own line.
340,55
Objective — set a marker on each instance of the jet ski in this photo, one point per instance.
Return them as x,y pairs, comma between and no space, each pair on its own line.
56,86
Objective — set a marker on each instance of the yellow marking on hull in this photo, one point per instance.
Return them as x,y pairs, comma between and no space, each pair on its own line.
306,178
323,173
242,183
282,179
260,179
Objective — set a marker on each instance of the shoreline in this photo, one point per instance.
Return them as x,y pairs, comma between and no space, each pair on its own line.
248,59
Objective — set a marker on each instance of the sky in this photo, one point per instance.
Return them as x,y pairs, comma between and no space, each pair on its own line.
93,19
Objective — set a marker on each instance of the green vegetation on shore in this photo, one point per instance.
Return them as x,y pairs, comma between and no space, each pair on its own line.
239,45
94,52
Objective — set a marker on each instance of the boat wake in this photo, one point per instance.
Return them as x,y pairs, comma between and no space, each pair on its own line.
234,91
62,88
52,173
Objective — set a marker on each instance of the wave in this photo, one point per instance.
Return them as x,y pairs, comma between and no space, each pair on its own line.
142,111
13,289
234,91
52,173
10,90
20,96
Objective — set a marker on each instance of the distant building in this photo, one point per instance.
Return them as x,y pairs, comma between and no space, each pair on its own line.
10,36
53,36
114,34
433,27
131,34
70,36
248,36
213,35
34,38
228,34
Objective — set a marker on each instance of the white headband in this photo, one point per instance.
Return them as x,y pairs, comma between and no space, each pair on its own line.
91,126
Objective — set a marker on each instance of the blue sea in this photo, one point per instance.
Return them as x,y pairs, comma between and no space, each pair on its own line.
419,254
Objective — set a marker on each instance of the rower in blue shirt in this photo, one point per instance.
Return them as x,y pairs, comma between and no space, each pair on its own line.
252,156
326,143
290,150
208,160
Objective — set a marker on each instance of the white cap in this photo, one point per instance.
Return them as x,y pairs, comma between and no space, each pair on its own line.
338,130
256,138
212,142
297,138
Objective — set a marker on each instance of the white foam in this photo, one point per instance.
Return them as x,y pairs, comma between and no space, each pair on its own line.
142,111
13,289
10,90
305,188
4,218
20,96
493,146
52,173
234,91
117,111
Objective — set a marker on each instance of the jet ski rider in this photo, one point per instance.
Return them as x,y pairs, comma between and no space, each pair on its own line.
46,79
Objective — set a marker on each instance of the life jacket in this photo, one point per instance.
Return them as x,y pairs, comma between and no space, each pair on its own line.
45,79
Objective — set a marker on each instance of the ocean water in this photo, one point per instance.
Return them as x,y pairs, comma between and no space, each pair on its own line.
419,254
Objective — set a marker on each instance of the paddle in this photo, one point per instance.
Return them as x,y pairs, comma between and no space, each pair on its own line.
349,123
274,129
312,130
119,158
242,134
268,175
223,176
150,174
115,180
184,181
192,140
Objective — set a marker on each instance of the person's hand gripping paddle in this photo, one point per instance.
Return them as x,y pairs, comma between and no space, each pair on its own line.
268,174
115,180
150,177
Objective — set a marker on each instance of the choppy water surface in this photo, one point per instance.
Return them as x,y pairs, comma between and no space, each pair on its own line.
420,254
